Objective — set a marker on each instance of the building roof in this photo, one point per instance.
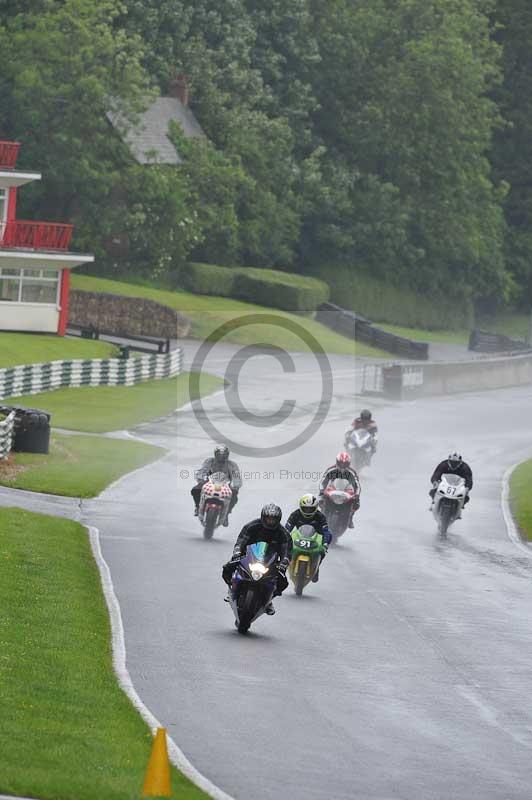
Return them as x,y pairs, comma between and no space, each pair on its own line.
10,178
148,141
42,259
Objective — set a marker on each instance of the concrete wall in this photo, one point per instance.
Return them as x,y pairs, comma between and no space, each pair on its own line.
35,317
404,381
123,316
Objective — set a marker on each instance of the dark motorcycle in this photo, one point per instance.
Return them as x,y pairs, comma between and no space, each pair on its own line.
253,584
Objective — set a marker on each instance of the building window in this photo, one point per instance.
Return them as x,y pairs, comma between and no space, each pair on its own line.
29,285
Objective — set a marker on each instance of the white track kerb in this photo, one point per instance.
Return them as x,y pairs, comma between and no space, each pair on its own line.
511,527
177,756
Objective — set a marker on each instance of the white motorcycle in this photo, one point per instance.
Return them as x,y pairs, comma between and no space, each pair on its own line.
449,501
360,446
214,503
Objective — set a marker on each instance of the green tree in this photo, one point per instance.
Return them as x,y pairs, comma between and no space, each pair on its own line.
512,151
403,89
62,70
214,42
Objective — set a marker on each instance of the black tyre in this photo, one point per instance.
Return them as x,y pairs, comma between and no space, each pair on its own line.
445,519
301,578
210,523
338,527
247,608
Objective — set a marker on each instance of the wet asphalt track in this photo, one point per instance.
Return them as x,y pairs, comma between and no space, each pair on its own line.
406,673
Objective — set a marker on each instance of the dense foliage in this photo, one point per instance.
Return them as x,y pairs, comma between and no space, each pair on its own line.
382,138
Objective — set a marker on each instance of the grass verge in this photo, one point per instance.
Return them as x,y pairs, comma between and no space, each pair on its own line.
98,409
208,313
521,497
76,466
68,732
27,348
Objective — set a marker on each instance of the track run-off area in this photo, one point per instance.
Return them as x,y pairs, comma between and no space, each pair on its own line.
405,673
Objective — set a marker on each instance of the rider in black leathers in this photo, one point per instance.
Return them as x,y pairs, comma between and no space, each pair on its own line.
219,463
267,528
453,465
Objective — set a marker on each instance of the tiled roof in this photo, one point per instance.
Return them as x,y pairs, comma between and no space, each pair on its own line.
148,141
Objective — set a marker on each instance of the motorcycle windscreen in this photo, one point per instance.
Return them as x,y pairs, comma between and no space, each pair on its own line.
341,484
265,552
453,480
308,531
219,477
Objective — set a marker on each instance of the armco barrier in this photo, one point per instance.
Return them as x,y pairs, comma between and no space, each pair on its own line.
486,342
362,330
405,381
6,435
35,378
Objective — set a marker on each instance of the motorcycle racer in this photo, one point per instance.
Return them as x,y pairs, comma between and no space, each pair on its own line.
366,422
267,528
308,513
454,464
342,469
220,462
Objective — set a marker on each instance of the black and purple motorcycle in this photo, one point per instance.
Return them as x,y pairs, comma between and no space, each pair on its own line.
253,584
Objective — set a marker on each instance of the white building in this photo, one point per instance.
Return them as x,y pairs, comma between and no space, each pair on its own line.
35,261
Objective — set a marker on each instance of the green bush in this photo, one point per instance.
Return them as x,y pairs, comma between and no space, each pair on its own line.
300,297
267,287
382,302
207,279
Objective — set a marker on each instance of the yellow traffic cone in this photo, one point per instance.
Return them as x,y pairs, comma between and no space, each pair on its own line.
157,780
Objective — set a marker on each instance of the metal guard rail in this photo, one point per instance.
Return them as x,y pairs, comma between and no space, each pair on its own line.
36,235
361,329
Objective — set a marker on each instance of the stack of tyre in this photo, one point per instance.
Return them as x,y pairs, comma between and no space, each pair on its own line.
31,430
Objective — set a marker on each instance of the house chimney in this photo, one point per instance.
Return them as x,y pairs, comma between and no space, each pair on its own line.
179,88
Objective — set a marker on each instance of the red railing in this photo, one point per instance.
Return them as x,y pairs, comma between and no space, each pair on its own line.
8,154
36,235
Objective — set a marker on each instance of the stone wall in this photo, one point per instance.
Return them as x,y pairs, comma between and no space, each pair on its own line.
125,316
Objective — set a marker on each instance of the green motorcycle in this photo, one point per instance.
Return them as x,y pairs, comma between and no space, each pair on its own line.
307,552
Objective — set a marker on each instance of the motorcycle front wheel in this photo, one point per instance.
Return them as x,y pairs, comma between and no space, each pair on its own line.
301,579
445,519
211,518
247,608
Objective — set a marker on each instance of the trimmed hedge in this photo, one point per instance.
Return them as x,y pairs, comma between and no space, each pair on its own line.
267,287
383,302
207,279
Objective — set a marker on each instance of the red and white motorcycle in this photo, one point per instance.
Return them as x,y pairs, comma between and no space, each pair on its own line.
338,499
360,446
214,503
